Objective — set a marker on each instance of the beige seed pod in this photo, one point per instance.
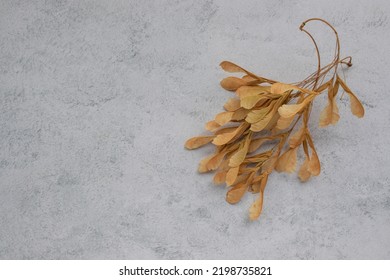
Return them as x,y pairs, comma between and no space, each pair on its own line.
260,121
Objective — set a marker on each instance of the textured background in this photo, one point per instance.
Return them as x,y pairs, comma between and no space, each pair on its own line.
98,97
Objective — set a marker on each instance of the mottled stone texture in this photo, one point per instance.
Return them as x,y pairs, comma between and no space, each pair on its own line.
98,97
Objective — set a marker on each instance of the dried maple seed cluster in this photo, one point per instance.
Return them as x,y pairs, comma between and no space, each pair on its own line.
263,127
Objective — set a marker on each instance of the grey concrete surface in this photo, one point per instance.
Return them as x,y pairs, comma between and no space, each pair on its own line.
98,97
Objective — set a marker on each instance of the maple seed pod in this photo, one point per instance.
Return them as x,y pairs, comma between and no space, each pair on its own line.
266,122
